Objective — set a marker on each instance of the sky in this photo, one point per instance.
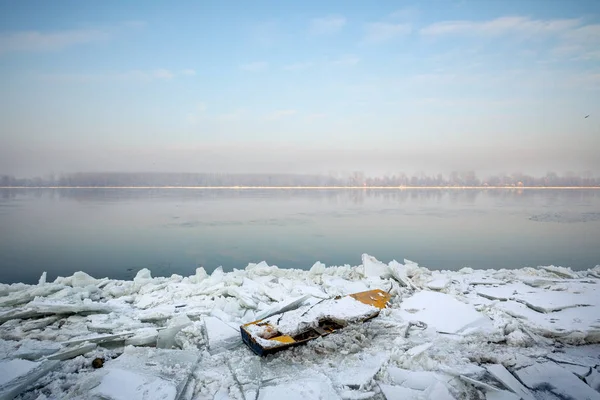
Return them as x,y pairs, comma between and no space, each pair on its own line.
305,86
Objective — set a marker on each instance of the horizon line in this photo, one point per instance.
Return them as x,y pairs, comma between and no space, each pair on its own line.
299,187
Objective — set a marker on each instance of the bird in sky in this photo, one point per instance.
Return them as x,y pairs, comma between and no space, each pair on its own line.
586,116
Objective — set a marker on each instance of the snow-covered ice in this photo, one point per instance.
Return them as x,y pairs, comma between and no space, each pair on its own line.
469,334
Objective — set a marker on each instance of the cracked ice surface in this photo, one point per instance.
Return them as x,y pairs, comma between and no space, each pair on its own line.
495,334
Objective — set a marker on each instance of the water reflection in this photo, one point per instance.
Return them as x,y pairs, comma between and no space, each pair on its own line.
116,232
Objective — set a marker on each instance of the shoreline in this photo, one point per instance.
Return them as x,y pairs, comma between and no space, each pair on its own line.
316,187
464,334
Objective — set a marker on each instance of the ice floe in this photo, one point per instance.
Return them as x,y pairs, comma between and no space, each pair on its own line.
469,334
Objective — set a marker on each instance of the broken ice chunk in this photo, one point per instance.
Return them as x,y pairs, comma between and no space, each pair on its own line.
443,312
299,389
35,349
419,380
359,376
499,372
220,335
120,384
551,377
392,392
143,373
17,375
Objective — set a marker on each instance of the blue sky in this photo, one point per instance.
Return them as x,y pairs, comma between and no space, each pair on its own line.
303,86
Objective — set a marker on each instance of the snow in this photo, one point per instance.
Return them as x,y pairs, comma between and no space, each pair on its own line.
441,311
495,334
346,309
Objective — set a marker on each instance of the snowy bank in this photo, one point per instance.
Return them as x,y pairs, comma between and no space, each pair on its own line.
470,334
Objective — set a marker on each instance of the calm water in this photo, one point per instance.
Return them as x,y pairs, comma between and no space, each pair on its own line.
116,232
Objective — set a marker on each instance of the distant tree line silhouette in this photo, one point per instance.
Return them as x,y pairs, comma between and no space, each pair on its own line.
454,179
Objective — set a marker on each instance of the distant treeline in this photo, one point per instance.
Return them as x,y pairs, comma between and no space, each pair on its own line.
454,179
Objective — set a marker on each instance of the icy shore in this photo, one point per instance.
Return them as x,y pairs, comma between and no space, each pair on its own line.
470,334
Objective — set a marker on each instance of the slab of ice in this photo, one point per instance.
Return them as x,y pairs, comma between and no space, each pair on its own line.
316,388
81,279
418,350
73,351
374,268
25,296
593,379
12,369
483,385
392,392
166,337
561,271
18,375
282,307
120,384
501,395
359,376
546,302
48,307
38,323
35,349
142,337
144,373
579,370
119,337
419,380
442,311
557,380
400,273
504,292
586,361
221,336
499,372
438,284
484,280
559,323
438,391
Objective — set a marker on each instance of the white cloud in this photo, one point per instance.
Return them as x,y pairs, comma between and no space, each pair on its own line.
298,66
501,26
157,74
254,66
347,60
34,41
315,116
37,41
327,25
382,31
280,114
127,76
188,72
408,13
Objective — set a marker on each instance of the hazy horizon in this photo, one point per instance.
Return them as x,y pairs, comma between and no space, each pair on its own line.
310,87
